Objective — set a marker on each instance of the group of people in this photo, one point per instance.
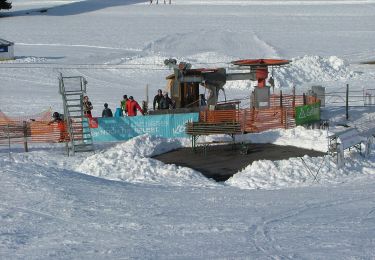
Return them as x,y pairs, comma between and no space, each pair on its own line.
157,1
129,106
162,101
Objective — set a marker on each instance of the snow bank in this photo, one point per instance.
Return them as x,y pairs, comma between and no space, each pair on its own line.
303,70
129,162
309,69
299,172
314,139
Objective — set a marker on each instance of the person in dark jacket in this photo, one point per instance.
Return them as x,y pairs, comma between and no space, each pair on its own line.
157,99
166,102
107,112
87,107
58,120
132,107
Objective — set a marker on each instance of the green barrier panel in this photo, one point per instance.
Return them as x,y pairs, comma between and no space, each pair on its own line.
307,114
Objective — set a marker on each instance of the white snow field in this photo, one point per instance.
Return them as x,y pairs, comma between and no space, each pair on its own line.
119,203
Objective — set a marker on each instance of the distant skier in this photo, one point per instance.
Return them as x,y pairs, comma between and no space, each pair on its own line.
107,112
132,107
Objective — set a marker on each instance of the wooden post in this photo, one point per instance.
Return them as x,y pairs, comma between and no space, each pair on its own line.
281,98
294,97
252,117
9,142
243,125
25,136
304,99
147,95
286,118
347,102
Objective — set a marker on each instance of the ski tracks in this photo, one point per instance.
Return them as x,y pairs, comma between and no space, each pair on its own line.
262,236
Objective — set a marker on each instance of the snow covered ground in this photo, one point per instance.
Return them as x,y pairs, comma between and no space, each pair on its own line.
119,203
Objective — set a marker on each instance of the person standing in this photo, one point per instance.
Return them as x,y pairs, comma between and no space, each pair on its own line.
132,107
166,102
107,112
57,119
123,105
87,107
157,99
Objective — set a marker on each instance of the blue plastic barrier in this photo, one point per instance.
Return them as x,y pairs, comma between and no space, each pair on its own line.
125,128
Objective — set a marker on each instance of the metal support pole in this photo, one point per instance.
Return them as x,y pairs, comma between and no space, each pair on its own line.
25,136
347,102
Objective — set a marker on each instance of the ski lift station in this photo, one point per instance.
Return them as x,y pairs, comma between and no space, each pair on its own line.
6,50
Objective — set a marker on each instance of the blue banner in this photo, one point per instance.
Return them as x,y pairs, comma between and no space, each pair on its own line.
125,128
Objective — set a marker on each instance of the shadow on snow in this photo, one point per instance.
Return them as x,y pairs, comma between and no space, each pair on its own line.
74,8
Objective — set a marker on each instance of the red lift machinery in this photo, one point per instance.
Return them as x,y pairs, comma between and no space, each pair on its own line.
184,83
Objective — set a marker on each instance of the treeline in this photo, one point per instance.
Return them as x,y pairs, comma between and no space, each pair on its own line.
4,4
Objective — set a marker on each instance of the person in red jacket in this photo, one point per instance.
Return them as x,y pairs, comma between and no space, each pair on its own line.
132,106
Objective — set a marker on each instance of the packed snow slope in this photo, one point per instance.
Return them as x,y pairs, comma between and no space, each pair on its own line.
144,209
119,46
135,207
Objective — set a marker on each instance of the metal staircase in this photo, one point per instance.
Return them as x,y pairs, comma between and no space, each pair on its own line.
72,90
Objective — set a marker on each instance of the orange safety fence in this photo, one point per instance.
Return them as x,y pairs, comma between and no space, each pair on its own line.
291,101
37,128
219,116
252,120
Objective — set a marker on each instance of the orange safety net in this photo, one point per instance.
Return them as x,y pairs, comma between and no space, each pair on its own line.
36,128
252,120
291,101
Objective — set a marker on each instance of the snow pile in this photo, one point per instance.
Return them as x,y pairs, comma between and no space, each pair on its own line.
314,139
128,162
308,69
304,70
298,172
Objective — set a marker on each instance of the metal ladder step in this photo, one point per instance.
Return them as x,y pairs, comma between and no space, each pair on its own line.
81,133
72,94
84,148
